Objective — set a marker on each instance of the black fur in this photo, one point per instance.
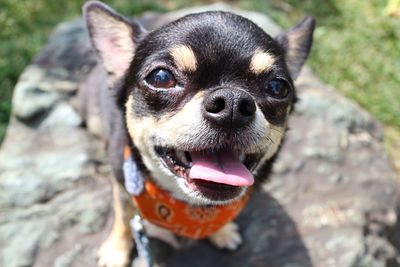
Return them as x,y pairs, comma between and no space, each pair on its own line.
221,63
223,44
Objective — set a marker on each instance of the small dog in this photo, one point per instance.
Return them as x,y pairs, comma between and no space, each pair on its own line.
199,107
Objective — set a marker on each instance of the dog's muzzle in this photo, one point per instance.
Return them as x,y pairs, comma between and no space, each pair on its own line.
229,109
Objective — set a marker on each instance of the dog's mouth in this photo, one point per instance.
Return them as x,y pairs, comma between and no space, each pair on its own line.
216,174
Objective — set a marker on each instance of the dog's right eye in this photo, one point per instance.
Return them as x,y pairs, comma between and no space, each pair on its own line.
277,88
161,79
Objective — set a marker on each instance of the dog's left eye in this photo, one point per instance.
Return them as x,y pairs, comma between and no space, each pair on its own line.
277,88
161,79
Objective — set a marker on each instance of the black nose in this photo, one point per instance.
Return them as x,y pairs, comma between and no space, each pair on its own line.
229,108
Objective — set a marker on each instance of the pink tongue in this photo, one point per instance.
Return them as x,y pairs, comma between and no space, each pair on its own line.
220,167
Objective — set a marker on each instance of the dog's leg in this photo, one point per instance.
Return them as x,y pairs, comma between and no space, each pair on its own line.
228,237
115,251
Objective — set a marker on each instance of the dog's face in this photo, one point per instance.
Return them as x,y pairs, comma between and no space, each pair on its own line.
206,98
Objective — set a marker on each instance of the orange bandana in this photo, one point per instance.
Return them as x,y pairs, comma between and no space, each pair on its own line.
162,209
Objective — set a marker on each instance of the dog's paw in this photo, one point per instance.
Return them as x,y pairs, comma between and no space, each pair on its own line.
140,262
114,253
228,237
161,234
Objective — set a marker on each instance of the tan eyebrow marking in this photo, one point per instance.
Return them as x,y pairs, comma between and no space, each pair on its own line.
261,62
184,57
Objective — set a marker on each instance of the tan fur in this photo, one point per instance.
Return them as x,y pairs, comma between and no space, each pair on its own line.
184,58
261,62
182,128
141,129
115,251
294,39
185,128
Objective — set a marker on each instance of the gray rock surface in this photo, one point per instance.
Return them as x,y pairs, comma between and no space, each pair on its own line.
333,199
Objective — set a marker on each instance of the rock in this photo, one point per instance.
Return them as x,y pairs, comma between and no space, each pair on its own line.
56,55
74,214
68,258
62,116
31,97
24,243
336,178
322,103
342,114
333,199
280,167
48,162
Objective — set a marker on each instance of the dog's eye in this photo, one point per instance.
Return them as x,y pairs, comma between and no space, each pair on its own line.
161,78
277,88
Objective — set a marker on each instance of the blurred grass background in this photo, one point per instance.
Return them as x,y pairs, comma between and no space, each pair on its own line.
356,47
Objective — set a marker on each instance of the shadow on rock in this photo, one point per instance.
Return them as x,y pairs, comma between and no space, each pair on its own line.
270,239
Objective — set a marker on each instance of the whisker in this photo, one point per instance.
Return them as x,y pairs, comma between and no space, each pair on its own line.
269,139
275,129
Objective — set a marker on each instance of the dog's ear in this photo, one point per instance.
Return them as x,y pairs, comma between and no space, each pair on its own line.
114,37
296,44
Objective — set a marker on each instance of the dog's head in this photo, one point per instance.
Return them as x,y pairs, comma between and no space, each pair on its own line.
206,98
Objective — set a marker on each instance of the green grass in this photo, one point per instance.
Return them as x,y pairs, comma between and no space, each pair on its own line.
356,48
25,26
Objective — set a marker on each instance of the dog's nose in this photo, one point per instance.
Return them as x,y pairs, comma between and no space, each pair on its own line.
229,108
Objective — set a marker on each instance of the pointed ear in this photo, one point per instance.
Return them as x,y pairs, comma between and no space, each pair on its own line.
113,37
296,44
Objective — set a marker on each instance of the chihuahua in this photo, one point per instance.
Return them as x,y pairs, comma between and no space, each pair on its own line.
193,113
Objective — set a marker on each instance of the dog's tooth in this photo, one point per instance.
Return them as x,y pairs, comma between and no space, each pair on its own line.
242,157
